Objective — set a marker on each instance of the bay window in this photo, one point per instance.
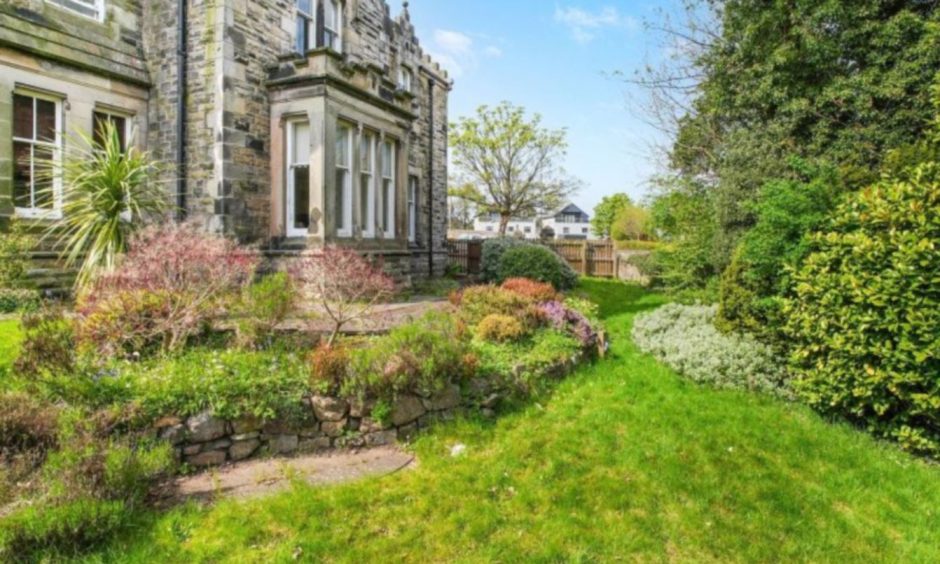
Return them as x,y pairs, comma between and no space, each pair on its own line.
389,169
333,25
343,201
305,11
37,143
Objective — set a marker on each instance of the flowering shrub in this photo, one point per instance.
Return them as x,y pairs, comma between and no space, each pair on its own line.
172,281
562,318
536,291
685,338
48,344
344,284
500,328
477,302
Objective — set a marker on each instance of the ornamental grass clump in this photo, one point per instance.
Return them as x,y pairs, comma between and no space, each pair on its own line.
685,338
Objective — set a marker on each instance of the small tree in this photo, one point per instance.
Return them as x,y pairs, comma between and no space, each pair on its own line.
344,284
108,195
605,213
632,224
512,161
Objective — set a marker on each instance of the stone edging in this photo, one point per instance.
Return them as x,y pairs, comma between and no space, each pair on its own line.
204,440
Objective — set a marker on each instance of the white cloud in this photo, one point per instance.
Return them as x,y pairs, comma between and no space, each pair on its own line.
585,25
453,41
457,51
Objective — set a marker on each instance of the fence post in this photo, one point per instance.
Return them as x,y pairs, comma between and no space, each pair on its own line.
584,259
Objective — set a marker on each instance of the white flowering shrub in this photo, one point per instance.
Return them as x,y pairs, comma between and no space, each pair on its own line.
685,338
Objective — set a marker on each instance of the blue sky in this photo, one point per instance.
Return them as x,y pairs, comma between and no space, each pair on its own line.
555,59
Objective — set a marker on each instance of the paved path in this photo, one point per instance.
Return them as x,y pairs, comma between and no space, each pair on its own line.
260,477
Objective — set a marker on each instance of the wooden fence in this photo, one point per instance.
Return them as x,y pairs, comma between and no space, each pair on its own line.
588,258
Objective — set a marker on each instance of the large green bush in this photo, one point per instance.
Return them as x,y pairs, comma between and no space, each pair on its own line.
753,285
865,318
685,338
537,263
492,256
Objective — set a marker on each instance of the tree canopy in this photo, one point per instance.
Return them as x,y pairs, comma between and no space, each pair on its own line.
512,161
605,213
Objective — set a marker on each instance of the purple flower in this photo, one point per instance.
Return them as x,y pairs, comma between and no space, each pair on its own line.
562,318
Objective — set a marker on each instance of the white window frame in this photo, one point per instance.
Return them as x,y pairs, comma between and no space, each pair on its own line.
96,5
369,170
405,78
34,212
337,44
309,22
290,204
389,186
345,191
412,209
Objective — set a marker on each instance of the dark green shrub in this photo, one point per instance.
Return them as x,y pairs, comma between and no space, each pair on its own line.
787,211
492,256
18,299
537,263
48,345
418,357
865,316
15,247
262,307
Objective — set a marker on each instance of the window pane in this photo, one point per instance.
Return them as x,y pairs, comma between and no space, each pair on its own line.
341,176
302,32
305,6
22,184
364,202
301,144
22,116
301,217
45,120
365,153
342,147
42,177
387,156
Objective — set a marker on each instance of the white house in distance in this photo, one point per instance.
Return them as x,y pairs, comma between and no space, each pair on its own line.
568,222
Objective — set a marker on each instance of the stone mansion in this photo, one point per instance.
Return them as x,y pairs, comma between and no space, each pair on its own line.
285,123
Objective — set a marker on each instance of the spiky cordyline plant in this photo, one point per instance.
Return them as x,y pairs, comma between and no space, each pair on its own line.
107,196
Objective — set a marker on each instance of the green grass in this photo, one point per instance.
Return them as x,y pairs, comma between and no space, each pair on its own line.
10,337
625,461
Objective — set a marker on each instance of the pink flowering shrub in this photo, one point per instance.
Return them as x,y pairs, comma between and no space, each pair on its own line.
172,281
345,285
563,318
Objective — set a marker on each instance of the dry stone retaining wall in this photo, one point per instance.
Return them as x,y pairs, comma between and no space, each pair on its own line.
205,440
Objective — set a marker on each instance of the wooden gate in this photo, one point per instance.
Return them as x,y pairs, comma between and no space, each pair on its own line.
587,258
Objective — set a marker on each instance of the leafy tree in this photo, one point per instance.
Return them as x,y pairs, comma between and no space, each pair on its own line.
461,205
512,161
605,213
632,223
759,82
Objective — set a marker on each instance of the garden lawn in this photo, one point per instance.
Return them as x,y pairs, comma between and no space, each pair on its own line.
624,461
10,338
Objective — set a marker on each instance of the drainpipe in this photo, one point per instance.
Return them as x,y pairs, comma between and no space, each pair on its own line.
430,177
181,57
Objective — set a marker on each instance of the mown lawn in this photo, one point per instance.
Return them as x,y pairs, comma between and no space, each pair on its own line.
625,461
10,338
